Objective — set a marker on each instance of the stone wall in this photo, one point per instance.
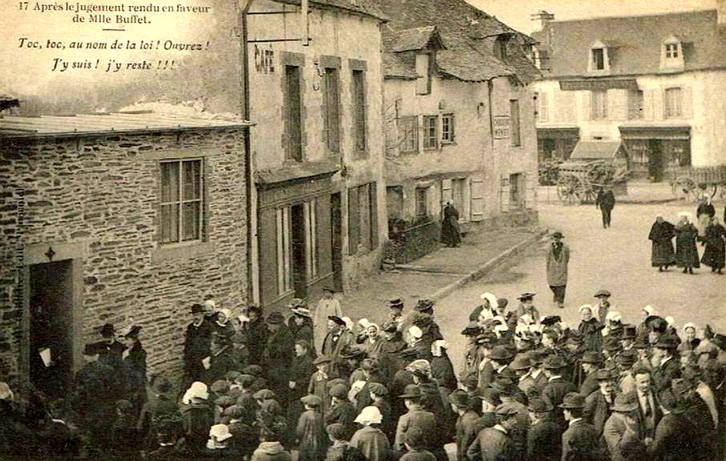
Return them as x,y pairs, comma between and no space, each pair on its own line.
103,193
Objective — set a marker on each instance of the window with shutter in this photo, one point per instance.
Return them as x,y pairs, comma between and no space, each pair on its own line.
293,114
673,103
599,105
446,192
505,194
477,198
447,128
331,105
365,218
359,111
636,102
458,191
353,221
431,132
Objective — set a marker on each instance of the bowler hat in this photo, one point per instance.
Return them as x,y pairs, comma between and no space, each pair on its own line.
107,330
411,391
460,398
666,342
472,329
591,357
503,384
337,320
396,303
554,362
424,305
538,405
275,318
627,357
525,296
550,320
573,400
557,234
602,294
197,308
521,362
132,332
311,401
500,353
339,391
625,403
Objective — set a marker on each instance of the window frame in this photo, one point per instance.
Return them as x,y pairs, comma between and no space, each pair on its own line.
331,108
360,112
672,51
595,62
181,201
448,136
598,105
411,131
423,202
294,145
429,137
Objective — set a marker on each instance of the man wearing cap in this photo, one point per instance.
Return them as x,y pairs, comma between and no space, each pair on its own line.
526,307
341,410
590,366
601,309
579,441
197,341
558,257
278,354
598,405
416,417
621,432
495,443
415,441
335,341
326,307
557,387
544,435
465,423
668,368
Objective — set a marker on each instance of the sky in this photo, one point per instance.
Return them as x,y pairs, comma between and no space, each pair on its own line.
517,13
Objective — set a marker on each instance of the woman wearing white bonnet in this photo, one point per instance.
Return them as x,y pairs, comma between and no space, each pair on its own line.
370,439
690,341
686,250
661,235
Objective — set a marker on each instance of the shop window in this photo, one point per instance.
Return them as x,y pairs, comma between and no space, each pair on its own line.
447,128
431,137
181,201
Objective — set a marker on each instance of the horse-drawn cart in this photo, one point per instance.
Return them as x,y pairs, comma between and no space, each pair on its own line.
692,183
580,181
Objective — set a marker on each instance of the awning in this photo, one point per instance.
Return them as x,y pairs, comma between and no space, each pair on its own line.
599,84
303,171
596,150
656,132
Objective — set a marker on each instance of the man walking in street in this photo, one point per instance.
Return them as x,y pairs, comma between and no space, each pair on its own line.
558,257
606,202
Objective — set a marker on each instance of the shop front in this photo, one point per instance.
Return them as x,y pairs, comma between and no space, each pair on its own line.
656,150
556,143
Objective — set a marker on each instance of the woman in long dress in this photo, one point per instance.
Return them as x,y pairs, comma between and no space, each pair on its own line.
715,241
686,251
326,307
661,234
704,213
450,232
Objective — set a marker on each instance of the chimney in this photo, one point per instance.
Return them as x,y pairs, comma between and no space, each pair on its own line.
721,14
544,17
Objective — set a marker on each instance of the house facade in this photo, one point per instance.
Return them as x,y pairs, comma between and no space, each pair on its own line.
459,120
655,82
117,218
317,147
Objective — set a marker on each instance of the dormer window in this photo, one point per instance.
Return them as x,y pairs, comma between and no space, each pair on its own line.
500,47
424,69
599,60
672,54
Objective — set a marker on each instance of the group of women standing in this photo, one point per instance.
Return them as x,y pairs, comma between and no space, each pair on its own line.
709,232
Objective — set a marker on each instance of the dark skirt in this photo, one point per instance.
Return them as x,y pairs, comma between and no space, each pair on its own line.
663,254
715,255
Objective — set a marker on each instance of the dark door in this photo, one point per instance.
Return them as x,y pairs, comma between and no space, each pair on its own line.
336,240
299,269
656,161
51,327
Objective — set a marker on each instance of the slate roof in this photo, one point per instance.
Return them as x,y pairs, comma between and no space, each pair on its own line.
596,150
93,124
634,43
416,39
358,6
468,35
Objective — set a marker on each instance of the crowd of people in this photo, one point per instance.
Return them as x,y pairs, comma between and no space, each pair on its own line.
261,388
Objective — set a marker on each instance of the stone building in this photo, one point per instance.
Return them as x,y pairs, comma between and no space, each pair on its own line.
656,82
459,120
113,218
317,147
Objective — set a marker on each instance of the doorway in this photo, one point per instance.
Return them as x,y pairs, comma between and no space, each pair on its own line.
336,240
51,327
299,267
656,162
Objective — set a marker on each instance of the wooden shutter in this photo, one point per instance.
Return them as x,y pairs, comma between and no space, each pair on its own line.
687,101
649,104
353,221
530,191
373,202
267,245
446,190
477,198
325,262
586,97
504,194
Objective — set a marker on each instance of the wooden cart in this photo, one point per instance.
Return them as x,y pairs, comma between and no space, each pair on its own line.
692,183
580,181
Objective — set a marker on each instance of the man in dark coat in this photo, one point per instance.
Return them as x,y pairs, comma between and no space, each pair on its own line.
598,405
590,366
256,331
671,441
606,202
341,409
545,434
416,417
557,387
335,341
579,441
219,361
668,367
558,257
450,234
466,422
649,410
622,433
197,341
661,234
495,443
278,355
95,395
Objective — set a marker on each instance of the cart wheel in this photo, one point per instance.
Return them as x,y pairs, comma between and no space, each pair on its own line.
587,194
567,187
684,188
